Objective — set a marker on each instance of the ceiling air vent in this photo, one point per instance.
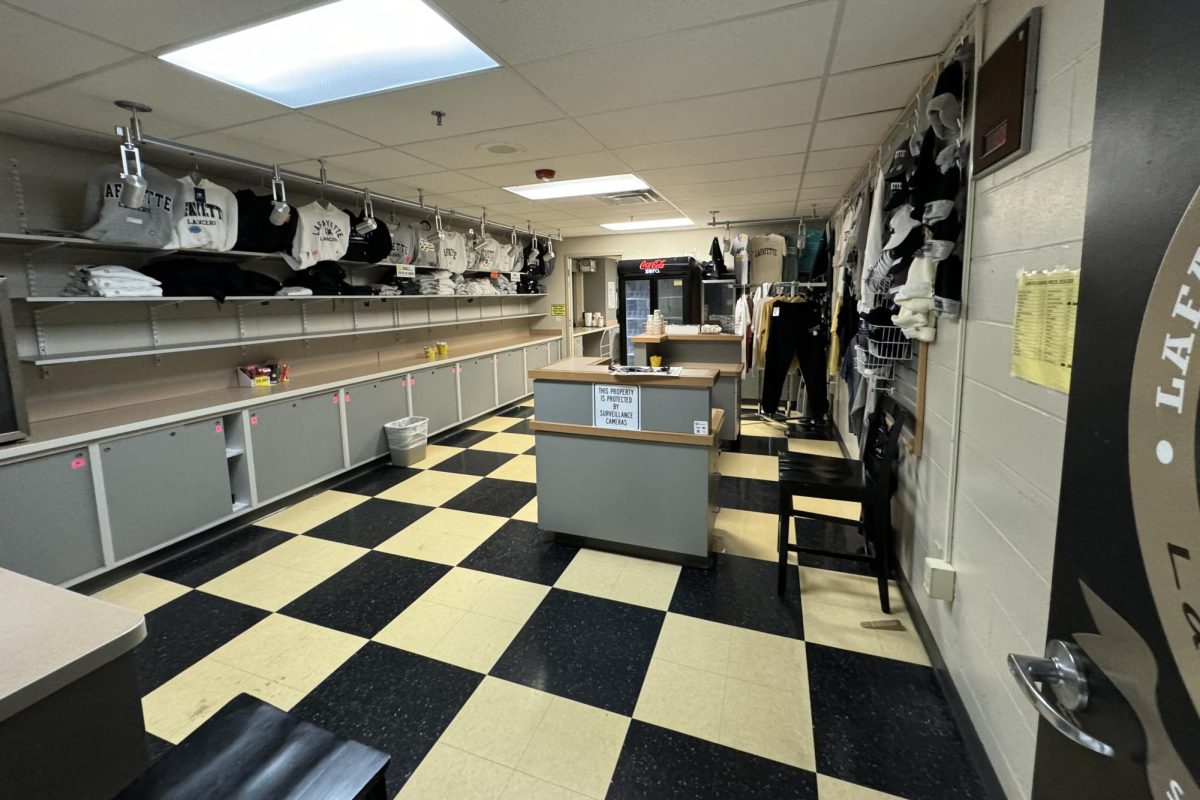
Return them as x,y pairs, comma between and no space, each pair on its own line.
636,198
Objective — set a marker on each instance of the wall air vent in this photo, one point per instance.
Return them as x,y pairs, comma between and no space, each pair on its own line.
635,198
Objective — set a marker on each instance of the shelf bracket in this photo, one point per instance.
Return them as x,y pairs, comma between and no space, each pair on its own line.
45,373
153,314
241,319
30,273
39,331
304,318
18,190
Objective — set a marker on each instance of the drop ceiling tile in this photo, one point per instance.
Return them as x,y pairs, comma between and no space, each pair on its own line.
867,129
730,170
712,149
840,158
559,137
567,27
747,199
481,101
291,133
834,177
614,213
492,199
584,230
183,102
383,163
444,182
682,194
786,104
585,165
42,130
878,33
771,211
873,89
146,26
787,45
38,52
335,172
818,194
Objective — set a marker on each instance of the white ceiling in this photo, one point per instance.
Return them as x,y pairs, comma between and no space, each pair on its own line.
754,108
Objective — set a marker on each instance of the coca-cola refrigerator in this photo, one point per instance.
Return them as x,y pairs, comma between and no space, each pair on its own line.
670,285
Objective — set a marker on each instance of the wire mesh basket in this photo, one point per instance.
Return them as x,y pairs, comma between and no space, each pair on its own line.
882,370
876,297
887,342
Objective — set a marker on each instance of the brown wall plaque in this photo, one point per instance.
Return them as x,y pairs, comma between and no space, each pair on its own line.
1004,107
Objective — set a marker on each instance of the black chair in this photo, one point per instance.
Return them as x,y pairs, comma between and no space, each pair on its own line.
868,482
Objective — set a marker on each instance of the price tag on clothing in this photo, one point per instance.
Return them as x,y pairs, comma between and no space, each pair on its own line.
775,311
700,427
406,271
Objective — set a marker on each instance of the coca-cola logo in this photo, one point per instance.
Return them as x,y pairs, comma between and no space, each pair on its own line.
652,266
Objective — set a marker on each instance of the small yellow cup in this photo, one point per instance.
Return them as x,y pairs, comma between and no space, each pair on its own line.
443,349
656,361
431,352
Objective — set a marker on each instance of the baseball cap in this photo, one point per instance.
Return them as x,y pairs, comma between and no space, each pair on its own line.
901,225
902,164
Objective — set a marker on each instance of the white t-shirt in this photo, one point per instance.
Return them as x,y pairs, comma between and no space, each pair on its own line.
323,234
206,217
488,255
426,253
404,245
766,258
452,252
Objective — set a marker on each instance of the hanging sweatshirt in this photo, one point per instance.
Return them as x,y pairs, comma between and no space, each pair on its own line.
427,245
487,255
207,216
766,258
323,234
404,245
151,225
452,252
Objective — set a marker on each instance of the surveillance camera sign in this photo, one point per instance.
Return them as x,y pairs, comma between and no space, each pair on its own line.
618,407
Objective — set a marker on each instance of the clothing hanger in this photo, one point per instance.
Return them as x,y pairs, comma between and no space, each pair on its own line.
437,218
321,188
195,175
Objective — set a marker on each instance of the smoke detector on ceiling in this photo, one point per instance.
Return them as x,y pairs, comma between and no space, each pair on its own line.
634,198
500,148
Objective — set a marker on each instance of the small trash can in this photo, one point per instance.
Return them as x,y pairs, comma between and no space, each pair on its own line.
407,439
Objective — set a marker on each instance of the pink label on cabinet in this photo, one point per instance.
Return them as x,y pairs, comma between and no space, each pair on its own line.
219,428
254,419
78,463
347,397
335,399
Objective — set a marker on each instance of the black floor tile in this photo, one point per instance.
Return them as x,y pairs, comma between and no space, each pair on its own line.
205,562
820,432
464,438
517,411
377,480
831,536
393,700
474,462
584,648
748,494
494,496
762,445
365,596
156,748
658,764
531,451
740,591
520,427
185,630
371,523
897,736
520,550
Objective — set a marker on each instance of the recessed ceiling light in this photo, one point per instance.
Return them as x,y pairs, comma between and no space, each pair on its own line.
500,148
604,184
339,50
648,224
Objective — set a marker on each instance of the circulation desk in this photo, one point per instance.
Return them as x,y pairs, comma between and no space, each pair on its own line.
627,463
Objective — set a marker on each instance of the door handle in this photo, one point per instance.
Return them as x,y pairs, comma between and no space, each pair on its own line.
1061,673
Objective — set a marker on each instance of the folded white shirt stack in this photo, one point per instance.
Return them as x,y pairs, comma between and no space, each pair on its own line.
915,300
110,280
437,282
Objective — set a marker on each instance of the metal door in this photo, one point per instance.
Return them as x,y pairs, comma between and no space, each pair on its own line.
511,375
295,442
477,386
1119,684
435,395
368,407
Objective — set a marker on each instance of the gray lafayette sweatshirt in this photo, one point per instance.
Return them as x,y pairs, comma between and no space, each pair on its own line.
106,220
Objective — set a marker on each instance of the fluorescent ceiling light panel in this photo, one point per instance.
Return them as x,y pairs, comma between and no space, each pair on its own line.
604,184
335,51
647,224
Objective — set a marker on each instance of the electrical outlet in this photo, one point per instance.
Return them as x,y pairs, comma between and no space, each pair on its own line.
938,579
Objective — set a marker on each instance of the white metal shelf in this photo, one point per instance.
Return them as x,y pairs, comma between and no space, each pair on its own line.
106,355
586,331
66,300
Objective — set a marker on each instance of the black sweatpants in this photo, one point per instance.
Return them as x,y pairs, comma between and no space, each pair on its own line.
796,331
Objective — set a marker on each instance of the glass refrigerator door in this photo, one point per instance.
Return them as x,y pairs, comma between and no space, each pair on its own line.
637,308
671,299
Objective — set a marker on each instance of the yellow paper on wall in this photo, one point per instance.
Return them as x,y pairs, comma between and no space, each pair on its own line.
1043,342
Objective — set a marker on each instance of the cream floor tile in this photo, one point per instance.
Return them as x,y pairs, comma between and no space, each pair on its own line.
475,642
262,584
430,488
767,659
447,772
771,722
682,698
498,721
429,545
746,533
490,595
316,556
816,447
434,455
832,789
461,523
760,428
494,424
506,443
695,643
841,626
308,514
291,652
182,704
526,787
576,746
421,627
521,468
860,592
142,593
617,577
528,403
746,465
528,513
834,508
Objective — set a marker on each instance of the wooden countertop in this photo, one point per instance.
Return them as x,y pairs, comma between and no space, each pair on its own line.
659,437
61,433
51,637
643,338
577,370
725,370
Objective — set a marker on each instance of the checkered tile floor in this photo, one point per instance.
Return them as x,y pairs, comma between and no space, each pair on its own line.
422,612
